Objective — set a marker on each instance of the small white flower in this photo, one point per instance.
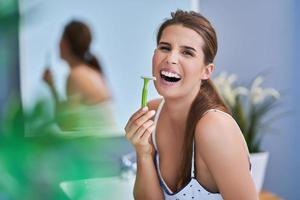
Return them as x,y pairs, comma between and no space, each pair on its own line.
232,78
258,94
257,82
272,92
241,91
226,88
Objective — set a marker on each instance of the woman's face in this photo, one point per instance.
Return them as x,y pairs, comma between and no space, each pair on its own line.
178,62
63,49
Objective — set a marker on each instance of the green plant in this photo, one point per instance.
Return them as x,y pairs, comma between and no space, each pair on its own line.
249,106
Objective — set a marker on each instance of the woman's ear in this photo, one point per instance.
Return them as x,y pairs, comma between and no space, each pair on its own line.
208,69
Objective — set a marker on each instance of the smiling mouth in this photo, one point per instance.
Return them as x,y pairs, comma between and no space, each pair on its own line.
170,76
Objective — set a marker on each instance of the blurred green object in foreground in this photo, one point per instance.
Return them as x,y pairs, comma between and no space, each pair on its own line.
109,188
33,168
8,11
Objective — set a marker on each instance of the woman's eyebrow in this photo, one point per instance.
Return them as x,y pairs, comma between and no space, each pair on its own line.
164,43
190,48
184,46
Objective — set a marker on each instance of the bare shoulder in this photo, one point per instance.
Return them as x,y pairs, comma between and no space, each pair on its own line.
153,104
76,80
78,72
218,139
221,145
82,75
76,75
217,127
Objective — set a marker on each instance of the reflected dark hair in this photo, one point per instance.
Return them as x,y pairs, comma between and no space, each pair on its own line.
208,97
79,38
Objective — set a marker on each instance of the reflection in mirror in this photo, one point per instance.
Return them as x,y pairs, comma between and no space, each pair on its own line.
86,99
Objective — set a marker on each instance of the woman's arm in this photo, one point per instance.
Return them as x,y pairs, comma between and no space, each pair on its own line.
222,147
59,105
138,131
48,78
146,185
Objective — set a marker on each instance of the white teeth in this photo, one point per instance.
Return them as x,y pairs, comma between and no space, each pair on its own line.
170,74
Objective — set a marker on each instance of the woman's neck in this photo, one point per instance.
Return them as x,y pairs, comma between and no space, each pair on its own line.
74,62
178,109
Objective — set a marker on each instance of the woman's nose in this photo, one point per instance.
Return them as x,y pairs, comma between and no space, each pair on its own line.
172,58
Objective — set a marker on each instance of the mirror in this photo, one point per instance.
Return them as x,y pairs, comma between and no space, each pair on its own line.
123,41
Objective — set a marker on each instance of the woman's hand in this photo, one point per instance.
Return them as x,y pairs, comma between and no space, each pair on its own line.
138,131
48,77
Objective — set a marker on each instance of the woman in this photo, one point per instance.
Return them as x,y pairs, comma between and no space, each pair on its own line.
86,84
197,150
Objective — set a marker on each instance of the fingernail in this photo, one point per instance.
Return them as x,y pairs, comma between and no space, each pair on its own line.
145,108
152,112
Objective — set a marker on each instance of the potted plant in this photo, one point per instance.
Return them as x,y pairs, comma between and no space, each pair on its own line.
249,107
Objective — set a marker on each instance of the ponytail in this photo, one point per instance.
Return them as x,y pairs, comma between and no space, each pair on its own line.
207,98
92,62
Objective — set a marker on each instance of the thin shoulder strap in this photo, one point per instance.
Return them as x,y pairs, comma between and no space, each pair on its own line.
193,161
216,110
155,122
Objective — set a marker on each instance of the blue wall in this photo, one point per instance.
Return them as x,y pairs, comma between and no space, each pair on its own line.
258,37
295,83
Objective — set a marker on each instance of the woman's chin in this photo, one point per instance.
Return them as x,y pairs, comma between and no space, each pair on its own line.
167,89
167,92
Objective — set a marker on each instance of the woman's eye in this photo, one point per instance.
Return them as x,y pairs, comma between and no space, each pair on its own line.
164,48
187,53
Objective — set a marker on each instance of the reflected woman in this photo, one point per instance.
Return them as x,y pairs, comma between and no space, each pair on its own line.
86,85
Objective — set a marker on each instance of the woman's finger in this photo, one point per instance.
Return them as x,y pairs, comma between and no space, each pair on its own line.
133,126
136,115
136,137
147,134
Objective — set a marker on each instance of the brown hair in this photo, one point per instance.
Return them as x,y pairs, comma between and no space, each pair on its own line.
79,38
208,97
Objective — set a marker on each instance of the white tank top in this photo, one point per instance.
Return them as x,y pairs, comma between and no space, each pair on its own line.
193,190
